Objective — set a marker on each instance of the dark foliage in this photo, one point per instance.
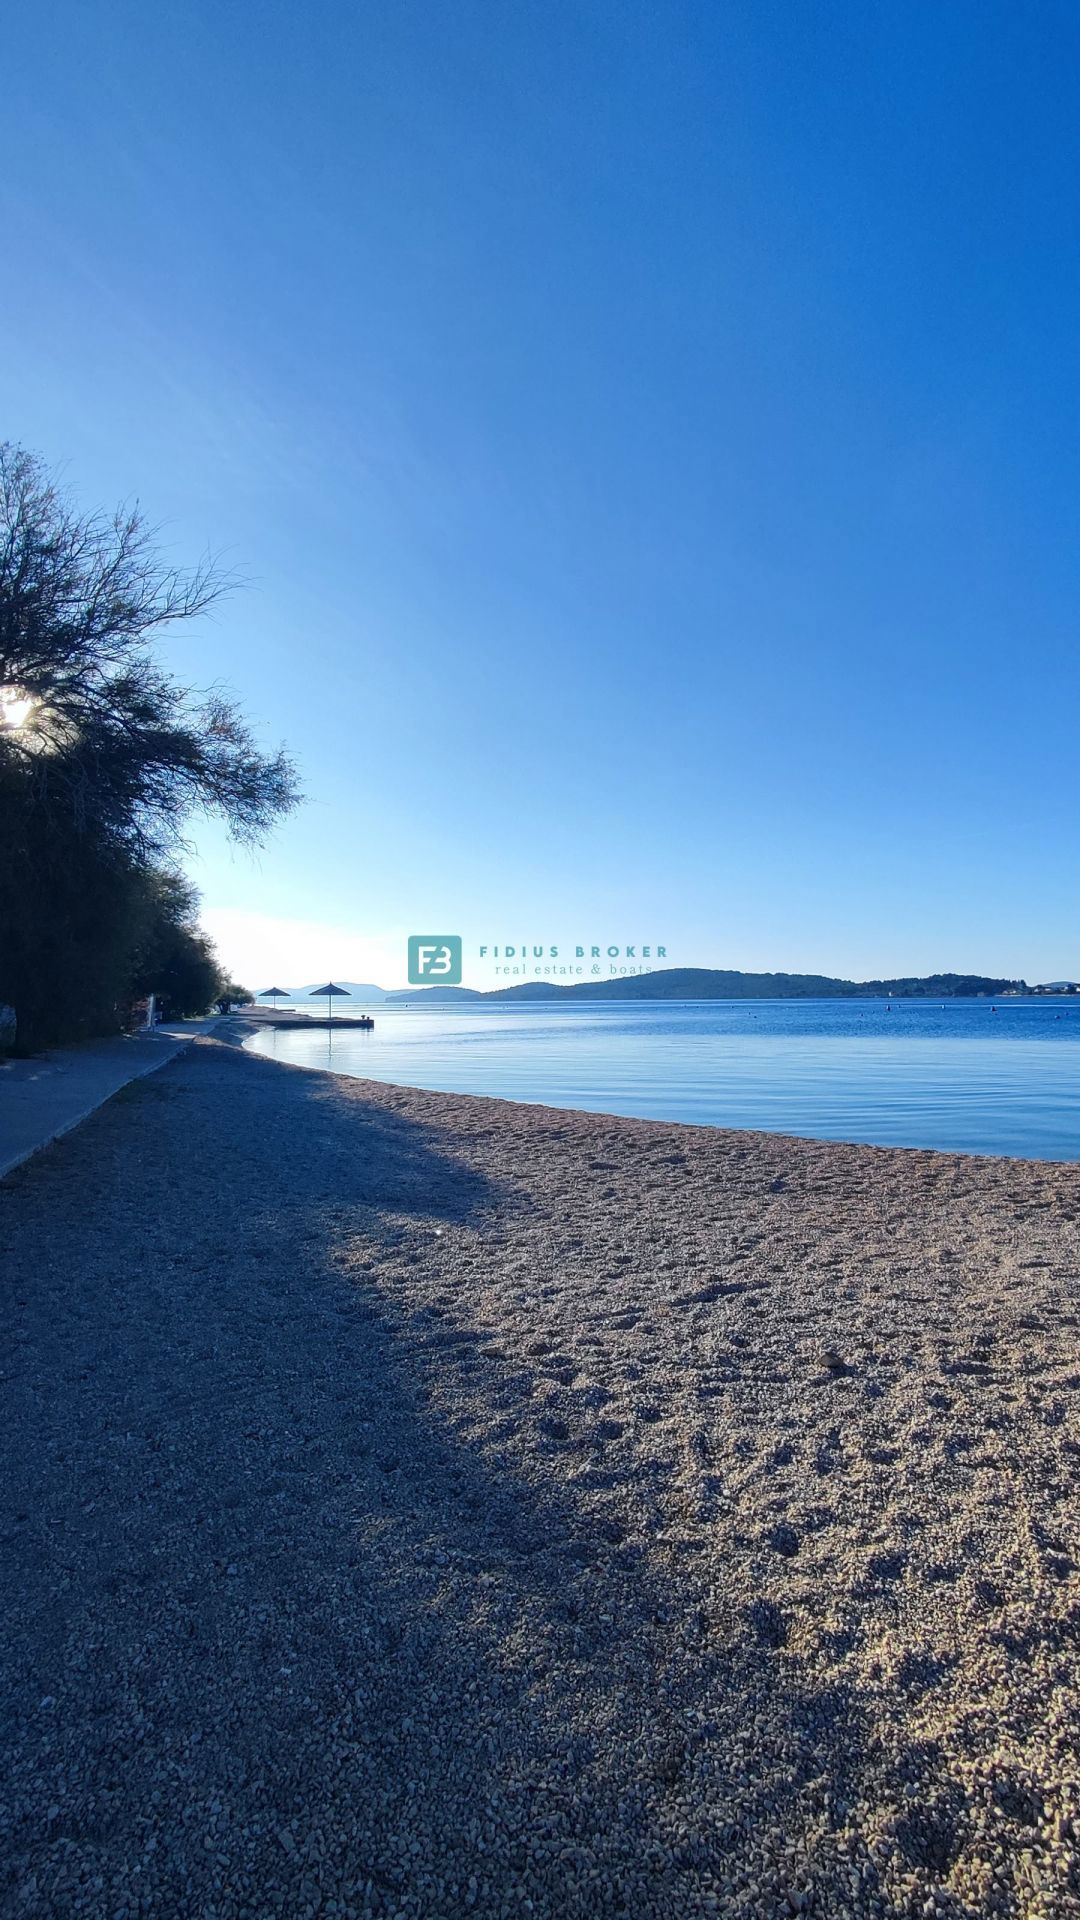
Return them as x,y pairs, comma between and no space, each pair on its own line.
103,759
232,995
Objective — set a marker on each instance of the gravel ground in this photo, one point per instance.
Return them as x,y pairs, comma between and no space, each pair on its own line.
430,1506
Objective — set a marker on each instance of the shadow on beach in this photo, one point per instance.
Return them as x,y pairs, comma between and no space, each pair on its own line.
316,1604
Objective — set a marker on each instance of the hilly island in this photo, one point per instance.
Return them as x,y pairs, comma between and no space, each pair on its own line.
722,983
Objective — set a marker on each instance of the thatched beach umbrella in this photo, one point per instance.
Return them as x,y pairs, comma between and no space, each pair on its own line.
330,993
272,993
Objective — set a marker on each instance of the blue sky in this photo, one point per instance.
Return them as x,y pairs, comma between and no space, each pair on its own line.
649,434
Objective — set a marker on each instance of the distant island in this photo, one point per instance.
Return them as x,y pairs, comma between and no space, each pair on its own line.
701,983
721,983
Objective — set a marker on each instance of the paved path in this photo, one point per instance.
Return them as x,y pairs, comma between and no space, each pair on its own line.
46,1096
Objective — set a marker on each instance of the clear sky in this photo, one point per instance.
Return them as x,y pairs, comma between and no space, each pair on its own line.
649,433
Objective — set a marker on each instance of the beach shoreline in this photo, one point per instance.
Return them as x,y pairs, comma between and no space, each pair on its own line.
951,1080
446,1504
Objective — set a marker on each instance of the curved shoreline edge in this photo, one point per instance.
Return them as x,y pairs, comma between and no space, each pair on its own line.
244,1031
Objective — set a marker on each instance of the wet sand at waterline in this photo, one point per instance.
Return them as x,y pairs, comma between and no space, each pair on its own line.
418,1504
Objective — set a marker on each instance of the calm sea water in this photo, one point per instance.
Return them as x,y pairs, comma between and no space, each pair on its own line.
955,1076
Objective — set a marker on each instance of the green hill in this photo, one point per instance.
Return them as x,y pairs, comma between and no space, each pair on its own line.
721,983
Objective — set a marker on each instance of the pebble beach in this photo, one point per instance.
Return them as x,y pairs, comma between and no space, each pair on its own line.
423,1505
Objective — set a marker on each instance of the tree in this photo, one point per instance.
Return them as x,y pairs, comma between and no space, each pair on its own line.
232,995
104,757
173,957
109,740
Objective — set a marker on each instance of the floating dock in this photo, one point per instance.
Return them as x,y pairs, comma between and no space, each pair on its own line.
305,1020
265,1017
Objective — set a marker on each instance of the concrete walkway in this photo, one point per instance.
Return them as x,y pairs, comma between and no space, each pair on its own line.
46,1096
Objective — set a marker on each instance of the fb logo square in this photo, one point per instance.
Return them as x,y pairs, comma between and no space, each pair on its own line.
434,960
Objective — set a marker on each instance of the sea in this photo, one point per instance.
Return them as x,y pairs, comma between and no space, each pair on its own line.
968,1076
